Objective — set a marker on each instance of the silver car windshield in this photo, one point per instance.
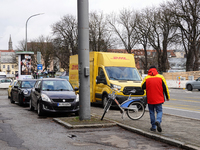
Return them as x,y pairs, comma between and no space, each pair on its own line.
56,85
123,73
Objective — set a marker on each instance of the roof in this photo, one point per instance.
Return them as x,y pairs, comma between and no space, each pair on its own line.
46,79
7,51
139,52
26,79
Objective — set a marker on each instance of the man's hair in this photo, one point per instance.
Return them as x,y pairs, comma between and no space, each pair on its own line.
152,67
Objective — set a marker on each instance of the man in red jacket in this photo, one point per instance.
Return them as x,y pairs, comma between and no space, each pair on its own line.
156,88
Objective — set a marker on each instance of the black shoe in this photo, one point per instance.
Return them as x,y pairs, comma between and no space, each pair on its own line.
152,129
158,126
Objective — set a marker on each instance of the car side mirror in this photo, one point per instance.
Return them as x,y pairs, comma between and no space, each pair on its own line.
37,89
16,86
75,89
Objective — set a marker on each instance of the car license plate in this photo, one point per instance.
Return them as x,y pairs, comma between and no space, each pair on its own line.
64,104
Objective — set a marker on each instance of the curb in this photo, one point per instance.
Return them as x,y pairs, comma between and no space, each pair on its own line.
67,125
159,137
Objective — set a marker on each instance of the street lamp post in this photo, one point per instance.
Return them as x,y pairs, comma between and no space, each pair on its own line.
26,27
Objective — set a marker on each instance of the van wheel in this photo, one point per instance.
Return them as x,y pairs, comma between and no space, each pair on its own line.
189,87
104,100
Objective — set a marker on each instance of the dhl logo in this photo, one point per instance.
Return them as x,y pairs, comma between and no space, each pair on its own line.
73,76
74,67
120,58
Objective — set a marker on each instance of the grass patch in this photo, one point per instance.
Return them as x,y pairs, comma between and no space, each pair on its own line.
77,121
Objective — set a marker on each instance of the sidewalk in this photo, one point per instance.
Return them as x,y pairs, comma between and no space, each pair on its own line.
178,131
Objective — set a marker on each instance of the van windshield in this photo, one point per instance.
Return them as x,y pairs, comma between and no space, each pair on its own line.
123,73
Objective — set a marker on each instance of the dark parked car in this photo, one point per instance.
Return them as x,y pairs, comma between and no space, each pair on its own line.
21,91
54,95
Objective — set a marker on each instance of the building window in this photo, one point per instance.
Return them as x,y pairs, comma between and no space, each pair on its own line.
12,66
4,66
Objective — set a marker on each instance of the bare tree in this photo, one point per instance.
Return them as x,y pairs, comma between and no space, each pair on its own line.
43,45
21,46
162,34
66,40
100,37
66,32
62,53
143,30
187,18
124,27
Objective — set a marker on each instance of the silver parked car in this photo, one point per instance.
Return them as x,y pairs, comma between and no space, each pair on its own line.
194,84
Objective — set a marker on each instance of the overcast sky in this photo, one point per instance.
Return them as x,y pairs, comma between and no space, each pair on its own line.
14,14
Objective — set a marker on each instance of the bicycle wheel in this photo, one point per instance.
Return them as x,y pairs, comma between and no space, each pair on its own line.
106,108
135,110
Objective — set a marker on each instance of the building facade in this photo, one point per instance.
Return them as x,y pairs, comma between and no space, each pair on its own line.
8,60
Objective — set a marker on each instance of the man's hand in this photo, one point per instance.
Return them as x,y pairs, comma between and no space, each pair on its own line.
167,99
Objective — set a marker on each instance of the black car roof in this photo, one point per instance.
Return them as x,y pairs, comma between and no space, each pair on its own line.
46,79
26,80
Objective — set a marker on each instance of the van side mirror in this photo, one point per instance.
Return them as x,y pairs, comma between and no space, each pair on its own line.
97,80
100,80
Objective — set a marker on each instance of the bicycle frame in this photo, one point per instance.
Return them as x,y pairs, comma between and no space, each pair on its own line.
126,103
125,106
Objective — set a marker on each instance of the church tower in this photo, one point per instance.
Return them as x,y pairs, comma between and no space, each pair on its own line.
10,44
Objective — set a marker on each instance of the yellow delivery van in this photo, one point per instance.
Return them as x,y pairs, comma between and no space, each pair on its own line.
116,69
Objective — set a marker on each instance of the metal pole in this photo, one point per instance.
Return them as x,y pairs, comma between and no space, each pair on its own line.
26,27
83,58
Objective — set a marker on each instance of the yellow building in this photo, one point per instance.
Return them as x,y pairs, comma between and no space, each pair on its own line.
8,61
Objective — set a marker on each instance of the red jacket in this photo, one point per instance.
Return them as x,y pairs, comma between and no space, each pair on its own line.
156,87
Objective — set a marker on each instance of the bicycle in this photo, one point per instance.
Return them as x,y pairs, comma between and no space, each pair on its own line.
134,108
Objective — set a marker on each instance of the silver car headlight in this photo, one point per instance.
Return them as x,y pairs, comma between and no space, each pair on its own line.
25,91
77,98
45,98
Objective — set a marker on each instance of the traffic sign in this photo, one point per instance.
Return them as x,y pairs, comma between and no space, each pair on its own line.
39,67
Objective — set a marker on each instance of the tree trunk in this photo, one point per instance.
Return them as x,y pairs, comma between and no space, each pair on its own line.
189,62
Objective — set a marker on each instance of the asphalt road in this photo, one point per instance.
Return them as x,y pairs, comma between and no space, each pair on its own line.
183,103
21,129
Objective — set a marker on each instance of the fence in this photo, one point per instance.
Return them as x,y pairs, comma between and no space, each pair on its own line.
190,75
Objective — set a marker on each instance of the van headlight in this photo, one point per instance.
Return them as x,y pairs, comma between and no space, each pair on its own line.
77,98
25,91
116,86
45,98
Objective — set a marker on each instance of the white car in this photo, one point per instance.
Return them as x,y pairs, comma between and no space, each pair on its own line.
4,83
194,84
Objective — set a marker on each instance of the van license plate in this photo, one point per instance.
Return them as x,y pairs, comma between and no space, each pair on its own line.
64,104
